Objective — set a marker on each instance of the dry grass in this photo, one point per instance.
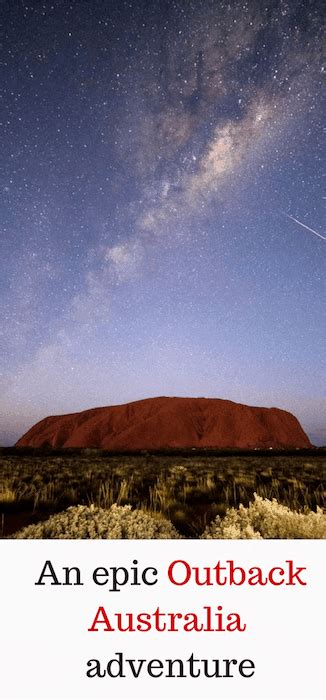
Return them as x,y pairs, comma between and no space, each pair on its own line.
189,491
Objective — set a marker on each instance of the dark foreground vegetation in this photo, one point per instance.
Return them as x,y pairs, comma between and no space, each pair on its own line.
188,487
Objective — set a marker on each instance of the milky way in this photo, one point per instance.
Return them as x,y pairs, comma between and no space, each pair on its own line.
150,152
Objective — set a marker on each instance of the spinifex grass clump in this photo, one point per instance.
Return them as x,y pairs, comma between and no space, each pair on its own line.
265,519
91,522
7,494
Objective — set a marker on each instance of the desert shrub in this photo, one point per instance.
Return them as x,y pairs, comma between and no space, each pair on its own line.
265,519
91,522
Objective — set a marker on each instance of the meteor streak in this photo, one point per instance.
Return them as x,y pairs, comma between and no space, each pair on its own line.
307,227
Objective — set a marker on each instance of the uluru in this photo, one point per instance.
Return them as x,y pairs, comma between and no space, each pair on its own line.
170,422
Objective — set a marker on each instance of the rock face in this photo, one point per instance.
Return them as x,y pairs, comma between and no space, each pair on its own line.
159,423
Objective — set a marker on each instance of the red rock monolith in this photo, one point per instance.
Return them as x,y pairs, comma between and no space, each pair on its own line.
161,423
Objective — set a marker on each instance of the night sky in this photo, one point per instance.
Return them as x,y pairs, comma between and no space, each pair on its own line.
161,217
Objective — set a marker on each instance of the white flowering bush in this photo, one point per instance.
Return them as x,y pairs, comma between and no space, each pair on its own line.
265,519
91,522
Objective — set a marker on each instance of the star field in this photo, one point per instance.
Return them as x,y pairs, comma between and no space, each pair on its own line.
161,228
